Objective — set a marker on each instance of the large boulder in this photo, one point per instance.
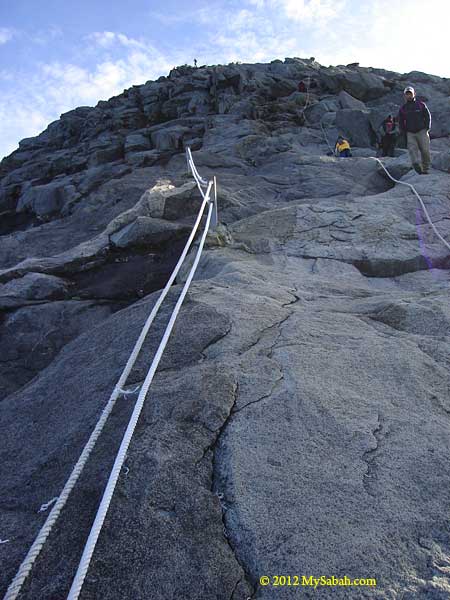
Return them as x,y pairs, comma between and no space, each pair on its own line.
45,200
168,202
359,83
347,101
440,117
136,142
147,231
441,161
355,125
31,337
169,138
315,112
32,287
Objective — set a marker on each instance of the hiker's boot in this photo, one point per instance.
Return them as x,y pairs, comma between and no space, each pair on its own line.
425,170
417,168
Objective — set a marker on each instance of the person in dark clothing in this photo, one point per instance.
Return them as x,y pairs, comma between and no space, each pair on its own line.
302,87
388,133
414,119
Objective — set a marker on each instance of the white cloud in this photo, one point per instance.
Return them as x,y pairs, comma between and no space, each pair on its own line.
6,35
309,10
389,34
103,39
57,87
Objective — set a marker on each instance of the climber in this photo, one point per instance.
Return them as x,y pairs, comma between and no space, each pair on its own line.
342,147
302,87
388,136
195,63
414,119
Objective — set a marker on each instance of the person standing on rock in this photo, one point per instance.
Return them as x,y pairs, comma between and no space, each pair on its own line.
342,147
414,119
388,135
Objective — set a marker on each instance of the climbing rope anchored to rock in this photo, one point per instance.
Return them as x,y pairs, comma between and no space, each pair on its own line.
415,192
418,197
27,564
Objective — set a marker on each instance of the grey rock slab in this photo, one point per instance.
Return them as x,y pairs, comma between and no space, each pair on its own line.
47,199
147,231
87,254
83,374
169,138
361,85
354,124
441,161
366,451
354,232
322,176
86,221
164,200
32,287
136,142
347,101
31,337
440,117
146,158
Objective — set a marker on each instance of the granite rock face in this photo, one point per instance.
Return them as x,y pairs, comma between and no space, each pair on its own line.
298,423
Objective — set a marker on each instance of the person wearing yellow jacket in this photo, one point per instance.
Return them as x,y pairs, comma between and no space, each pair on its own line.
342,147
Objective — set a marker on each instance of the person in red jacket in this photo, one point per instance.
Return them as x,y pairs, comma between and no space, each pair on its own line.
414,119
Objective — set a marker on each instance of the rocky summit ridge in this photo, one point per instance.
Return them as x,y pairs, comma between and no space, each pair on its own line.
299,422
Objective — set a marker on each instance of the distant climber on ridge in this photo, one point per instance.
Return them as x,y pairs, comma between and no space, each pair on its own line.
342,147
414,119
388,136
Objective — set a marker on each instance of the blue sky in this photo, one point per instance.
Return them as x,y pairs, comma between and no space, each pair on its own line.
56,55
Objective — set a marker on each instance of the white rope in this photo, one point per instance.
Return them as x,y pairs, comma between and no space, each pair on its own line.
47,505
33,553
418,197
198,178
401,183
107,496
324,133
307,93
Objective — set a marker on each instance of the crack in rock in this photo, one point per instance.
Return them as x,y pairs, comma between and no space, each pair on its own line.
214,486
263,331
275,385
216,339
370,476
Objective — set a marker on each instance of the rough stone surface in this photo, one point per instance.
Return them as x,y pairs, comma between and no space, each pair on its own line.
298,423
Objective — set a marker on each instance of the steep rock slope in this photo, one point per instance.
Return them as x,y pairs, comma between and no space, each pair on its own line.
298,423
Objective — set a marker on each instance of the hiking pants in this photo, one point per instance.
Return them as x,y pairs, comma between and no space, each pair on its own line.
388,144
419,148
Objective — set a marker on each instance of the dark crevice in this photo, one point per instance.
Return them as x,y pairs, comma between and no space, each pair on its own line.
369,457
214,340
275,385
214,486
296,299
235,588
212,446
261,333
392,267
